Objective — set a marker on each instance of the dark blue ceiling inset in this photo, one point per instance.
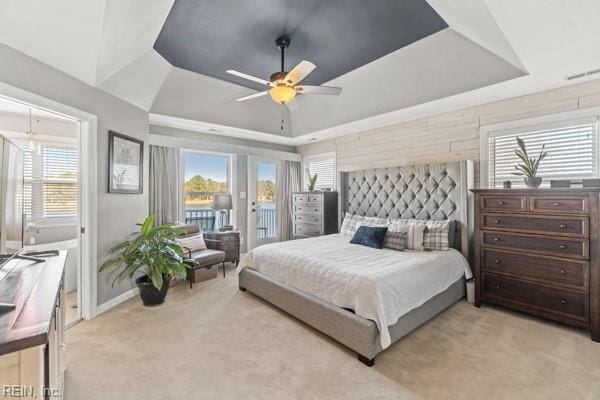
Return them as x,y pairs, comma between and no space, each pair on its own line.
210,37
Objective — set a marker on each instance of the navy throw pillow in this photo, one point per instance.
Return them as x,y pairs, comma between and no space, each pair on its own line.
371,236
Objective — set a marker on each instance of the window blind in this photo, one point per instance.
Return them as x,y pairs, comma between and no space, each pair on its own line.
51,184
572,152
324,168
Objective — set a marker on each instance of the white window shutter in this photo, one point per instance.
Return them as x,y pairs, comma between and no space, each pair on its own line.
572,152
324,167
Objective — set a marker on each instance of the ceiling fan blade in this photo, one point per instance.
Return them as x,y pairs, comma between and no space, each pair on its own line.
252,96
307,89
299,72
292,105
249,77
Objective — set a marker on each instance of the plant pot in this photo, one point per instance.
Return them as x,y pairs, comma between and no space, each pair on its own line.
150,295
533,181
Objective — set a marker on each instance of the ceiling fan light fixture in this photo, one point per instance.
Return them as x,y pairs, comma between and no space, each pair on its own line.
282,94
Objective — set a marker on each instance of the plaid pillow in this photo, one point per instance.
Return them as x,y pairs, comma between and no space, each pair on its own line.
414,233
395,240
374,221
436,235
350,224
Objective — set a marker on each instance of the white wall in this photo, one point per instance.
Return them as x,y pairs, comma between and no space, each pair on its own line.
117,213
450,136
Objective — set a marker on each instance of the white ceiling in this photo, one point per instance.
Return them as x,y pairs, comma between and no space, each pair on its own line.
493,49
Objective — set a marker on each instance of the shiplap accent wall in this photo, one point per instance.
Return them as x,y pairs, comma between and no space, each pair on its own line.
450,136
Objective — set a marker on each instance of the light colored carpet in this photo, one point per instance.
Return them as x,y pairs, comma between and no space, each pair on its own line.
215,342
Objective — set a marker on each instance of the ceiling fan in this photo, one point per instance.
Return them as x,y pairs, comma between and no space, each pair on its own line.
284,85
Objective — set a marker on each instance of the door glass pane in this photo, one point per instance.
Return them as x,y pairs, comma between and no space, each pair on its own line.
266,192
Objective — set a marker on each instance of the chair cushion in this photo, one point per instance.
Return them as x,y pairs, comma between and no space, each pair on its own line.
208,257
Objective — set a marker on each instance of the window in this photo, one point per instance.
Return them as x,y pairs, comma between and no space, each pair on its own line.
324,166
51,185
204,175
572,151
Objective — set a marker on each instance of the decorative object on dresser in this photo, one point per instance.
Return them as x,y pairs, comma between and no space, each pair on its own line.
539,252
315,213
530,166
230,241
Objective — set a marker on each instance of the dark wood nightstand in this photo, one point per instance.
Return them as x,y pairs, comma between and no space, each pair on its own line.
231,244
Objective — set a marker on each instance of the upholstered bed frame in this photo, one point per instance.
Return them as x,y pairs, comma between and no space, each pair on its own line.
438,191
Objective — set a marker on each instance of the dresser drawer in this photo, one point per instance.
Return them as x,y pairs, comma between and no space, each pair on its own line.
504,203
542,297
552,270
307,229
311,209
308,218
315,198
559,204
307,198
562,247
571,226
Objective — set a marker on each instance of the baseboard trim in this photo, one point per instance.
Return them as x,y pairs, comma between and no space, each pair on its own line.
104,307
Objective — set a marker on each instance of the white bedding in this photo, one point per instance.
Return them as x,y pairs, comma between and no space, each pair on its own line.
380,285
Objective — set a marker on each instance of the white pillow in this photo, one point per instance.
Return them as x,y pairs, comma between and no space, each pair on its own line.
350,224
194,243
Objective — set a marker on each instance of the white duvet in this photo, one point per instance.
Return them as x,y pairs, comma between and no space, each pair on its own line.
380,285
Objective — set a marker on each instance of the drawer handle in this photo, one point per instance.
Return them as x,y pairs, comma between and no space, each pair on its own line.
556,204
496,221
496,239
501,203
563,246
498,286
563,301
498,261
563,226
563,272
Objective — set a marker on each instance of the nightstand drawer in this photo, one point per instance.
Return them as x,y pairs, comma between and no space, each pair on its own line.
504,203
307,229
571,273
569,226
308,218
559,204
500,289
562,247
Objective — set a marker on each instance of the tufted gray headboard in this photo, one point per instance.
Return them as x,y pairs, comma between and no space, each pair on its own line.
439,191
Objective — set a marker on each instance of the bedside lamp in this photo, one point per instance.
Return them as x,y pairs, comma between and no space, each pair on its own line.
223,202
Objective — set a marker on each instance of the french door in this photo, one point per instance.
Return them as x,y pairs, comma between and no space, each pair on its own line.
263,212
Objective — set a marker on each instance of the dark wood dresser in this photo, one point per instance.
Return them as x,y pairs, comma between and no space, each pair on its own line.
314,213
538,252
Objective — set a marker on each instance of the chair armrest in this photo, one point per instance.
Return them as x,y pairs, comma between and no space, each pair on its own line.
213,244
189,251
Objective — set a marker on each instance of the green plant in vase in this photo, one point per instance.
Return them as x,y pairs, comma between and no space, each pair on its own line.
154,252
312,181
529,166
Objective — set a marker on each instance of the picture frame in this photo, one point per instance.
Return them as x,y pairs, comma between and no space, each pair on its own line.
125,164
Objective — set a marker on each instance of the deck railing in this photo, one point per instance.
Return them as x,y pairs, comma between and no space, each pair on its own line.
267,223
205,218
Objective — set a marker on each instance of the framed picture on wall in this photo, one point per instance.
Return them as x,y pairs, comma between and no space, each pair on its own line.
125,163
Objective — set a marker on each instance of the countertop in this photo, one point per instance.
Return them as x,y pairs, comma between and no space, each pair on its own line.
27,326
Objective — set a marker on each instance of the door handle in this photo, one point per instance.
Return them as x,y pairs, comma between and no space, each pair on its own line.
254,210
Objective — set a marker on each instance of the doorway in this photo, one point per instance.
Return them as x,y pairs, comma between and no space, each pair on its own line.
51,144
262,201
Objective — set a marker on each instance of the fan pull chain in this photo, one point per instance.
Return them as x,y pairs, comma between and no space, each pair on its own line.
282,117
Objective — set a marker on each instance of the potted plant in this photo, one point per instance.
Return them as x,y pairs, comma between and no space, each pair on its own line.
154,252
529,167
312,181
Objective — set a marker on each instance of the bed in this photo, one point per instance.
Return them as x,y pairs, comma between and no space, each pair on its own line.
366,298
